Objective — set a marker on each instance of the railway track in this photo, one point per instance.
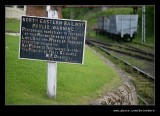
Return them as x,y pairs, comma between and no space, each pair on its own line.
137,53
143,45
126,63
150,77
138,49
134,49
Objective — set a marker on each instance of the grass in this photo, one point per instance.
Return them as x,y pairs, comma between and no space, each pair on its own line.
76,84
148,40
144,87
12,25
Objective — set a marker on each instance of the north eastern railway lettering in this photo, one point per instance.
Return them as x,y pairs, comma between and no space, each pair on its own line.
59,40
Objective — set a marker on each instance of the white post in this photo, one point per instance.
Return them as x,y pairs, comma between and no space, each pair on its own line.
131,26
52,70
122,26
52,79
143,24
48,8
25,9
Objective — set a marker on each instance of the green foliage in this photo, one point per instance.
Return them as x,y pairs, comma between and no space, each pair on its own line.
12,25
66,13
92,21
92,17
150,29
149,15
25,80
74,13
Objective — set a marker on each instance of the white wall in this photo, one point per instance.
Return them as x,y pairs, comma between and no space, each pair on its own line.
13,13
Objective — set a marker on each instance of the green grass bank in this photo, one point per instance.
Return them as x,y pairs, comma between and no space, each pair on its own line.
25,81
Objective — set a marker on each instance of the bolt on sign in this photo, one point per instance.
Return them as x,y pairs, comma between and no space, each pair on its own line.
60,40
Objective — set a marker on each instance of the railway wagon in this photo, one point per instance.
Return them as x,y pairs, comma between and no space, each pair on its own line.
118,26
